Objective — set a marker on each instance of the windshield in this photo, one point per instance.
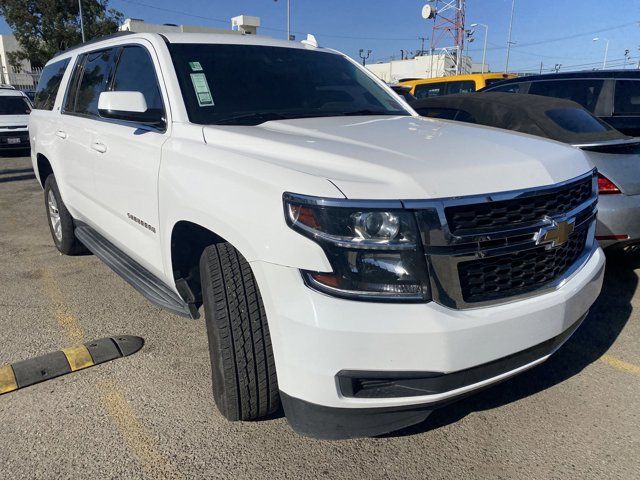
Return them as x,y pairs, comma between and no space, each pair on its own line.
249,84
14,106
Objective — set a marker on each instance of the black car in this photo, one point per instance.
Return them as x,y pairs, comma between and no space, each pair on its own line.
612,95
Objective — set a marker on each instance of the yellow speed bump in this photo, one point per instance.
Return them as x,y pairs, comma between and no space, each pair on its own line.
7,379
35,370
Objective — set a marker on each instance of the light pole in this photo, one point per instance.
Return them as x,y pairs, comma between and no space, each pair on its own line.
509,42
486,35
364,54
288,18
81,21
606,51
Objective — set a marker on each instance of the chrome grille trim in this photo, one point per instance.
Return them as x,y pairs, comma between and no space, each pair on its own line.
444,250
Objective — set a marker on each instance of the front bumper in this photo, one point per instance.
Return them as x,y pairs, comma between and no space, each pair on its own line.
315,337
618,215
7,136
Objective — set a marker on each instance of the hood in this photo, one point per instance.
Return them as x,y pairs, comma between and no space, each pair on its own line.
404,157
13,121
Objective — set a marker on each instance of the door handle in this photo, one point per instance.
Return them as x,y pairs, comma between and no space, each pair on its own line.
61,134
99,147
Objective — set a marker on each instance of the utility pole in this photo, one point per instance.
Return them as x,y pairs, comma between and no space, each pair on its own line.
364,54
540,68
81,21
509,42
627,56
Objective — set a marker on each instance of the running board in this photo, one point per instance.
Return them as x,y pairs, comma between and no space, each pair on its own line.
145,282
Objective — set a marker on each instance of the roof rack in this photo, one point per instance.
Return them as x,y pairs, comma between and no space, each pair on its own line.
95,40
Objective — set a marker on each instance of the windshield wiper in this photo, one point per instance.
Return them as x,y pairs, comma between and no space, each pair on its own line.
253,118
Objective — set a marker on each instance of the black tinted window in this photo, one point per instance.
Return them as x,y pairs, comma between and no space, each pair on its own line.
509,88
576,121
49,84
584,92
248,85
94,81
14,105
627,98
136,73
492,81
447,113
427,90
461,87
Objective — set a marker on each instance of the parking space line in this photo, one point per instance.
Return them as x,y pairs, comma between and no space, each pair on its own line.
620,364
135,435
133,432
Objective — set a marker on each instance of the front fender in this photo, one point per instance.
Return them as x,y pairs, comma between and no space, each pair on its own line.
239,198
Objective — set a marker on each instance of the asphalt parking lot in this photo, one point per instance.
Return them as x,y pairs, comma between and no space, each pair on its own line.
152,414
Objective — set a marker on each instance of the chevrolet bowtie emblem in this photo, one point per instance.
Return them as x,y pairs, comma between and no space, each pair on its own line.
555,234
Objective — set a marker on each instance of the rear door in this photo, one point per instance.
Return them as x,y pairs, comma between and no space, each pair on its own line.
127,162
78,125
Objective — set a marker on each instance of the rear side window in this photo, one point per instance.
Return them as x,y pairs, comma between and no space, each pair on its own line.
491,81
584,92
49,84
136,73
576,121
461,87
427,90
92,78
627,98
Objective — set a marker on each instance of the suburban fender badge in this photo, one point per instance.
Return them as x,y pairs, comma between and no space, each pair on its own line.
556,233
141,223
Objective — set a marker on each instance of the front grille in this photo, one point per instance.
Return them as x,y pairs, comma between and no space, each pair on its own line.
488,216
518,273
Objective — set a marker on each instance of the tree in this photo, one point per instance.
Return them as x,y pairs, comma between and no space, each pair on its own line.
44,27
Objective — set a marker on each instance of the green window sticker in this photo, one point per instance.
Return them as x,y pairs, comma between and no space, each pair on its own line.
195,66
201,87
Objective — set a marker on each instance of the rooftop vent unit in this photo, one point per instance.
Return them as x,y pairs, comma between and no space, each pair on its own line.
245,24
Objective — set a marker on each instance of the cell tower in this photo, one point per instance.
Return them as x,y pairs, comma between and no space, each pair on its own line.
448,27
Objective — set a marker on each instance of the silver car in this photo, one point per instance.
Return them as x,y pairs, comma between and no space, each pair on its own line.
615,155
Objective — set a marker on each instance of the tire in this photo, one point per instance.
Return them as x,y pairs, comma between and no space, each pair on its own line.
243,371
60,220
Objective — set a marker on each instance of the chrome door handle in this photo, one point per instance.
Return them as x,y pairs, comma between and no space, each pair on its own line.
99,147
61,134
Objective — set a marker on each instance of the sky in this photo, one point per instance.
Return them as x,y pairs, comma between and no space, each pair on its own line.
545,31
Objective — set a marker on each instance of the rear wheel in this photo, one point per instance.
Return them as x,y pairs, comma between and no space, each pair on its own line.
245,386
60,220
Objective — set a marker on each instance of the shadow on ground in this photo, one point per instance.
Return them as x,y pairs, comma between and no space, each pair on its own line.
606,320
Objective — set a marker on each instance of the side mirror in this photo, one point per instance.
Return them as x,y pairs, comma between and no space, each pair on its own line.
128,106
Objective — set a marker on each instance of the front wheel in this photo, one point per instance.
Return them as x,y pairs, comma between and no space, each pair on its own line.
243,371
60,220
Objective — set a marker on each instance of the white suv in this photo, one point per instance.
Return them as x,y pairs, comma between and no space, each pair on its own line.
15,107
354,260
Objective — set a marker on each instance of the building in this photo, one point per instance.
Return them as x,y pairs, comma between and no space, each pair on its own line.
20,77
242,24
424,66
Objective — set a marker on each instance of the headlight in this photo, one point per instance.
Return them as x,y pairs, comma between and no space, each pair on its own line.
374,248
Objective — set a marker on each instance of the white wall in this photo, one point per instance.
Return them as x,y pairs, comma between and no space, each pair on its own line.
8,43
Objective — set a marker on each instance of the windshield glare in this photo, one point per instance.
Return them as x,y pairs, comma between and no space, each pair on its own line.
14,106
249,84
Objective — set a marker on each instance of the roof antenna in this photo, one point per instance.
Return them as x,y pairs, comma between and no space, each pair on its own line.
311,41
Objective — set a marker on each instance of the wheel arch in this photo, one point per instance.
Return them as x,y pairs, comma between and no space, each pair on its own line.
188,241
44,168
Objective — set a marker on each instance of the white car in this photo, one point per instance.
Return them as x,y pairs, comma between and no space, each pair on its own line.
15,107
357,263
